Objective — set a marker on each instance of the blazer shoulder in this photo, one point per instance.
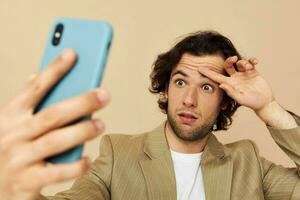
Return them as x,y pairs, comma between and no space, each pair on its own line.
125,143
119,139
242,147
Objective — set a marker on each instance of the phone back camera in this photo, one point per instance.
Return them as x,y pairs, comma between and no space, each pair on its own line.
57,34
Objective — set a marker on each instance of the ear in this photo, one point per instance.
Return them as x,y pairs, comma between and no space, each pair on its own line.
163,96
166,90
224,105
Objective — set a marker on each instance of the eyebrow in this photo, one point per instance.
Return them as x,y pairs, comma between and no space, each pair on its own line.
180,72
185,74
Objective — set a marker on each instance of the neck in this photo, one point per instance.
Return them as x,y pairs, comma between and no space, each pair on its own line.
183,146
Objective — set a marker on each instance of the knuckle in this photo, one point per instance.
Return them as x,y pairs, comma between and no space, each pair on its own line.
228,66
244,62
47,144
57,175
57,72
38,148
34,84
54,71
59,67
15,157
228,82
28,175
48,119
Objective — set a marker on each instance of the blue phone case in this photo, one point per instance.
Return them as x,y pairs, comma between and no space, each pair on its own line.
91,41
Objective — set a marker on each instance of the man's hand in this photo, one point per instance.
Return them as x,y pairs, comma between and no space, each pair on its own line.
26,139
244,84
248,88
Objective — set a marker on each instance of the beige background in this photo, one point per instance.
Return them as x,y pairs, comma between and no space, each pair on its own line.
266,29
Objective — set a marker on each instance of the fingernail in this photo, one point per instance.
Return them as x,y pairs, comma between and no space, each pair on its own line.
102,96
231,59
234,58
67,54
99,125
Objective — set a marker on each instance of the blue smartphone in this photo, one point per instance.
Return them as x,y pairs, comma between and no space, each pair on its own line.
91,41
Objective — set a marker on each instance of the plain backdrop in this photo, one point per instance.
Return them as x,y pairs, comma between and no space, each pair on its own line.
268,30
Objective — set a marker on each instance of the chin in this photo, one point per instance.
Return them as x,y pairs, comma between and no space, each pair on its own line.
189,132
189,127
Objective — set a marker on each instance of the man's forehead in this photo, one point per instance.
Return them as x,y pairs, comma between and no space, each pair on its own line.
213,62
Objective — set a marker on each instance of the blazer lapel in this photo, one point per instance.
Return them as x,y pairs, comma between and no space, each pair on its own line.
217,169
158,167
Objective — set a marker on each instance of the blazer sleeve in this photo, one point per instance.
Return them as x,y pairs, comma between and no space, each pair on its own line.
279,182
95,184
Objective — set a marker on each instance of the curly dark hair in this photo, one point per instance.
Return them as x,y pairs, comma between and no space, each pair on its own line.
199,43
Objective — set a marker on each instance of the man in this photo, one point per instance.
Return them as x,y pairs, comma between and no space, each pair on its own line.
201,82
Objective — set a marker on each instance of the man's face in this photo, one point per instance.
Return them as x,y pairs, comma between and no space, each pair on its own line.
194,100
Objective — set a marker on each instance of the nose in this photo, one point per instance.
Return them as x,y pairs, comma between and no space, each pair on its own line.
190,98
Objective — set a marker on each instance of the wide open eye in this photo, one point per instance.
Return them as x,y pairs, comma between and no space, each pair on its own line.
208,88
180,82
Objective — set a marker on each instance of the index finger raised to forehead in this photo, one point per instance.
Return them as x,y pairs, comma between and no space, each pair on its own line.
209,73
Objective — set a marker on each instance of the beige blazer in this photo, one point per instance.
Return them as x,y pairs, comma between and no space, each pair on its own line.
138,167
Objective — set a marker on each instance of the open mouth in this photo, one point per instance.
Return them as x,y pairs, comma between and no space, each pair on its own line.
187,115
187,118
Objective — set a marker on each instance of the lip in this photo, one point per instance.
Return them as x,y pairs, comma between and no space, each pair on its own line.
187,117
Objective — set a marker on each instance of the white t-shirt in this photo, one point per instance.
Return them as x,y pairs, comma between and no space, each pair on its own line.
188,174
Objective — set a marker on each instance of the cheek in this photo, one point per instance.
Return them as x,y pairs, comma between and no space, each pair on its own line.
174,100
217,97
210,112
212,103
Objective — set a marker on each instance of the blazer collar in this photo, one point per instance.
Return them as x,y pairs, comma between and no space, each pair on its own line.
214,149
156,145
158,171
217,170
216,165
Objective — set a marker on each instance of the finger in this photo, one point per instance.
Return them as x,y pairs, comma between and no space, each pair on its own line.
38,86
216,77
244,65
229,68
64,113
18,102
60,140
230,91
62,172
253,61
44,174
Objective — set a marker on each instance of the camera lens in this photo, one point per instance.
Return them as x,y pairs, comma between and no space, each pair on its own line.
57,34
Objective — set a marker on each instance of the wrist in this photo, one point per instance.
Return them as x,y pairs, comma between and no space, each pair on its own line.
266,111
274,115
